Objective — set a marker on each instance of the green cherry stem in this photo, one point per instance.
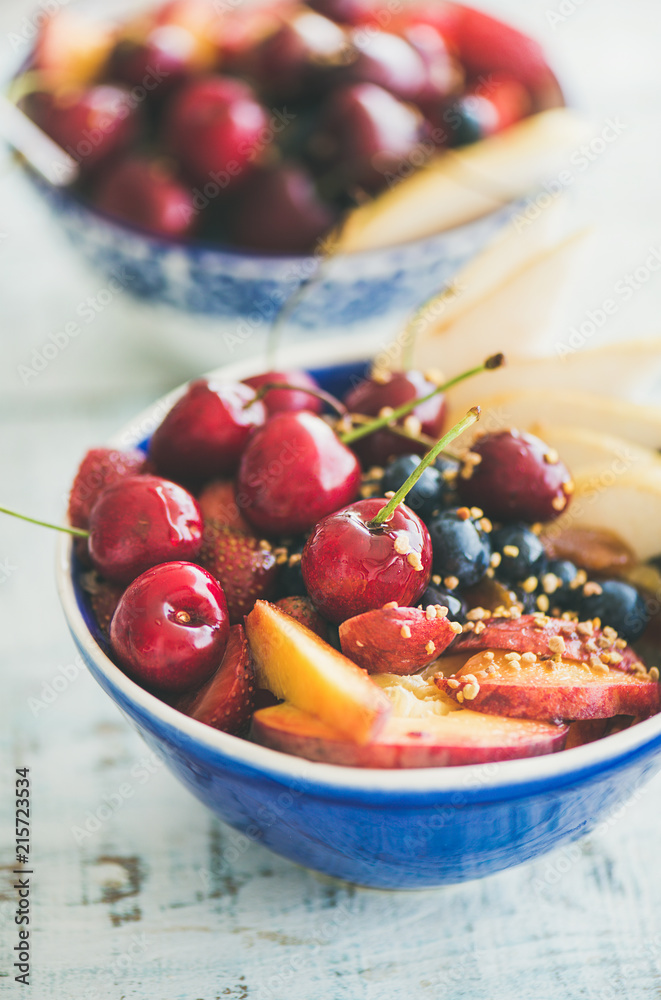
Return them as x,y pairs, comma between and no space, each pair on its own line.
495,361
78,532
386,512
325,397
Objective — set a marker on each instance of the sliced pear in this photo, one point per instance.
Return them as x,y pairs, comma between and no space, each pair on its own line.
628,504
461,185
629,370
528,407
514,313
583,449
295,664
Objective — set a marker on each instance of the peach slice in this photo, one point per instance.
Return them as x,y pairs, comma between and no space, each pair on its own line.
227,699
498,683
461,737
396,640
296,665
548,636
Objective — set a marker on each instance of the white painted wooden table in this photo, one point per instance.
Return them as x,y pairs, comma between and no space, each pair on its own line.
137,891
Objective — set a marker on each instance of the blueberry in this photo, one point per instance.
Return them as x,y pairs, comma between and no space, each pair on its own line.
466,121
425,496
522,553
461,548
456,607
565,572
618,605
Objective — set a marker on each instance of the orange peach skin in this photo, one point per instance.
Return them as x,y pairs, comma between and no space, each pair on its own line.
296,665
458,738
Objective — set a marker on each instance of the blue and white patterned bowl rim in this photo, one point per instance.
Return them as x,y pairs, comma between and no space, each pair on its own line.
478,782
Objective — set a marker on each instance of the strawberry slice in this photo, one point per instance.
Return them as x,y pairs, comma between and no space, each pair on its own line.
304,611
244,566
536,634
100,467
227,700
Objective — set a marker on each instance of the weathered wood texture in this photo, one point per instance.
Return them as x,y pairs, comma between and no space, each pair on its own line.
157,900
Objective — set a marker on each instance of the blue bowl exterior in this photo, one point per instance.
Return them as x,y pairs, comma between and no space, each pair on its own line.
386,840
403,838
211,281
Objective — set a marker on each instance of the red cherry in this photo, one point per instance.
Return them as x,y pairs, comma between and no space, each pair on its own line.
90,124
345,11
160,62
350,568
388,61
139,522
205,432
370,133
278,210
99,468
392,389
144,193
285,400
293,60
213,126
293,471
519,478
170,628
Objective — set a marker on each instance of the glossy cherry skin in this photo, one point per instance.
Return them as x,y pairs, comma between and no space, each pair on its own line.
287,400
292,61
205,432
144,193
388,61
99,468
519,478
369,134
278,210
161,61
349,568
370,396
213,126
293,471
89,124
345,11
171,626
141,521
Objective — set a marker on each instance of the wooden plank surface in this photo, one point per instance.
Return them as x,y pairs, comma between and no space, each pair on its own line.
138,892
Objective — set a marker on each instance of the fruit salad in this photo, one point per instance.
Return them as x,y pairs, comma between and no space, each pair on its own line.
264,128
345,578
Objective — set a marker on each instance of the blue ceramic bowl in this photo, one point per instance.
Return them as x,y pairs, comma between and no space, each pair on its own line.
237,286
398,829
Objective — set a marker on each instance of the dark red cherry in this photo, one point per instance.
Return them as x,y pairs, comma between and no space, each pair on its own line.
391,389
141,521
214,126
444,75
145,193
158,63
517,478
278,210
205,432
349,567
293,471
345,11
89,124
367,134
387,60
170,629
292,61
286,400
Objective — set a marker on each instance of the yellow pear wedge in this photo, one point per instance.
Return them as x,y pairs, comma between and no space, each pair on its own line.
460,185
627,504
583,449
624,371
526,408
